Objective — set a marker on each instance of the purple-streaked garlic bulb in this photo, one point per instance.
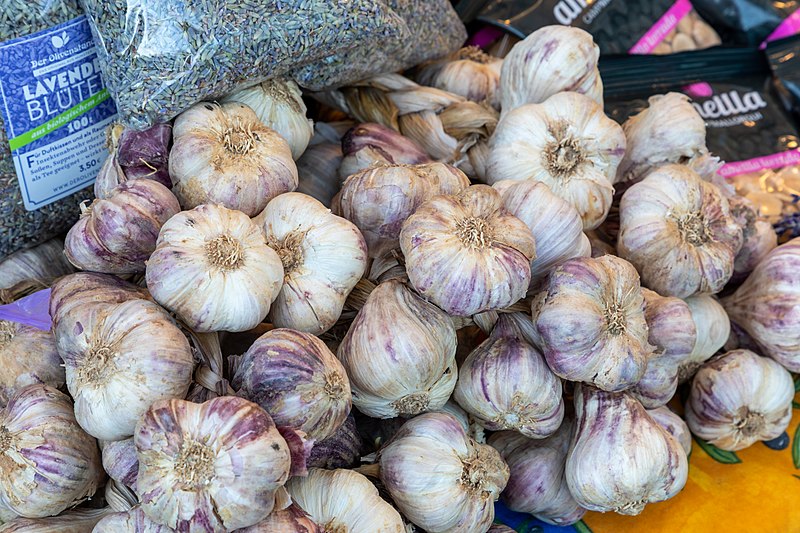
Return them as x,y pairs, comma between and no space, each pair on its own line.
135,155
74,521
675,426
120,462
378,200
290,520
124,357
28,355
50,464
592,323
506,384
713,330
538,484
371,144
641,462
439,478
214,466
131,521
672,330
342,449
213,268
767,305
468,72
117,235
759,238
738,399
297,380
399,354
492,248
223,154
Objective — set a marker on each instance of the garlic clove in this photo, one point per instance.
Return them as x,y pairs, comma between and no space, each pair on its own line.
713,329
466,253
468,72
27,355
674,425
371,144
738,399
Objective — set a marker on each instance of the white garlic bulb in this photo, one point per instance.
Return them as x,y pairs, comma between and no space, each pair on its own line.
468,72
214,466
223,154
344,500
125,357
27,355
399,354
506,384
213,269
441,479
566,142
674,425
278,104
679,233
642,462
556,225
49,462
670,130
713,329
767,305
551,60
323,257
466,253
738,399
592,324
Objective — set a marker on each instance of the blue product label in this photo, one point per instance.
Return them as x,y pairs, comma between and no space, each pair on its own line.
56,109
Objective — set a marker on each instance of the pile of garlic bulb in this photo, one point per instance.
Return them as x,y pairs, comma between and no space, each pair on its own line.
463,325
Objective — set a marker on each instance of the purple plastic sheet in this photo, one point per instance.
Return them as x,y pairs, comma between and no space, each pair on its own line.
31,310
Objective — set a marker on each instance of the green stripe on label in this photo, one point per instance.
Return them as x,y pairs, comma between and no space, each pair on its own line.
64,118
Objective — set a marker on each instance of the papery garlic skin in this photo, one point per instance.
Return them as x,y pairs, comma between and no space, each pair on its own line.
223,154
466,253
556,225
399,354
293,519
278,104
131,521
118,234
739,399
27,355
439,478
378,200
592,323
468,72
767,305
679,233
323,257
126,357
49,463
642,462
567,143
371,144
209,467
213,269
537,484
674,425
297,380
75,521
120,462
551,60
506,384
713,329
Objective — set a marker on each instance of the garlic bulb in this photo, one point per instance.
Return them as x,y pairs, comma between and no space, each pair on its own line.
439,478
290,520
131,521
31,269
758,237
506,384
551,60
213,269
738,399
537,484
399,354
278,104
592,323
378,200
767,305
297,380
713,329
674,425
679,233
27,355
670,130
121,463
342,449
672,330
567,143
323,257
642,462
466,253
223,154
118,234
468,72
209,467
75,521
344,500
49,463
125,357
556,225
370,144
